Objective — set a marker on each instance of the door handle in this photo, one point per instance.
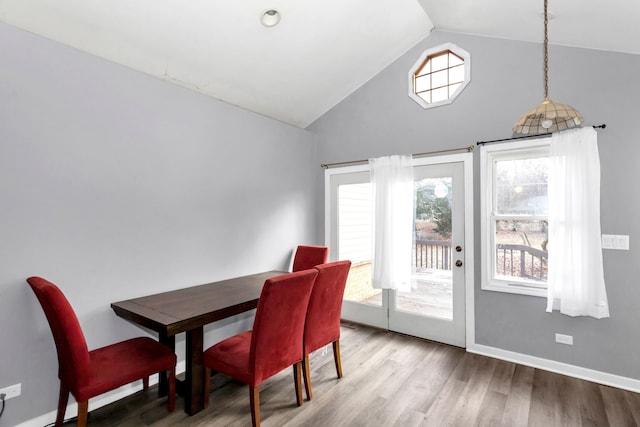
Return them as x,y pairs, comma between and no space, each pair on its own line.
458,263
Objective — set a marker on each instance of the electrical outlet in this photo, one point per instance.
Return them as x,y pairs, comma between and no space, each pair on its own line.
564,339
11,391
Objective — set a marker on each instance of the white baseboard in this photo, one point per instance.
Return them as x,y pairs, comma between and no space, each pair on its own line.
100,401
599,377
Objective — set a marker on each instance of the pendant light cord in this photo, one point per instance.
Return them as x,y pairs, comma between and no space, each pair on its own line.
546,52
548,116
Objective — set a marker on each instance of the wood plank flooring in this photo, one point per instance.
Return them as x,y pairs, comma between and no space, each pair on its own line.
395,380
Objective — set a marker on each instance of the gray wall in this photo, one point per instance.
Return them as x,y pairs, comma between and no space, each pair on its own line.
380,119
114,184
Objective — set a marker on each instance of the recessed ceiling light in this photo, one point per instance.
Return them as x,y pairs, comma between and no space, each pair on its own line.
270,18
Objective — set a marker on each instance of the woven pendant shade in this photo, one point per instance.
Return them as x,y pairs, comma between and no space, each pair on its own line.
548,116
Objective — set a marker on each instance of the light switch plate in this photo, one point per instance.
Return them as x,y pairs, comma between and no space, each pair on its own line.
615,241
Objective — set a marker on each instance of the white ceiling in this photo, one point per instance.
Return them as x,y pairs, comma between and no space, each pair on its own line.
594,24
319,53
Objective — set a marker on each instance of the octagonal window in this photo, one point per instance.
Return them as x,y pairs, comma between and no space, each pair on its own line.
439,75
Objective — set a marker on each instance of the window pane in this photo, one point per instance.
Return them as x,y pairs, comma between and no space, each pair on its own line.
355,241
424,69
521,186
456,74
439,62
521,249
441,94
431,291
455,60
425,95
423,83
453,88
439,79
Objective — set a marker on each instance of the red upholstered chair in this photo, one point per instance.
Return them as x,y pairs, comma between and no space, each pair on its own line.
87,374
309,256
274,344
322,326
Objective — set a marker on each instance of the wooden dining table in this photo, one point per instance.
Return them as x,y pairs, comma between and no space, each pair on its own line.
189,310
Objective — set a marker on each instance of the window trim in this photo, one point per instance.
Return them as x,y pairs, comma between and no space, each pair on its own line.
488,154
455,49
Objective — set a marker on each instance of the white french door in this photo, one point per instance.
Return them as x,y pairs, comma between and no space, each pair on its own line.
435,307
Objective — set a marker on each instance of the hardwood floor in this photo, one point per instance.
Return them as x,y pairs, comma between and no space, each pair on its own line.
396,380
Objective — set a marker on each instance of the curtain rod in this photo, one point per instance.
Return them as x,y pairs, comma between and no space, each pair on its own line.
602,126
428,153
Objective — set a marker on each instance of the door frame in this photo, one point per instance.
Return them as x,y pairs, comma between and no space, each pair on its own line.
469,283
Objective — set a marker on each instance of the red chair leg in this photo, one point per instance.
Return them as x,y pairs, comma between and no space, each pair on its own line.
307,377
336,357
145,383
63,398
172,389
254,398
297,379
83,413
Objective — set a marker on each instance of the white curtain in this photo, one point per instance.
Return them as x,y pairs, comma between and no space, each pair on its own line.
392,182
576,278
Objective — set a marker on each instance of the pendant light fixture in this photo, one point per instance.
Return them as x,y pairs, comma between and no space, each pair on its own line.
548,116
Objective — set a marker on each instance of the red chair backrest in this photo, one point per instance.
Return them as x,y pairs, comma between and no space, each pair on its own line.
309,256
322,325
276,341
73,353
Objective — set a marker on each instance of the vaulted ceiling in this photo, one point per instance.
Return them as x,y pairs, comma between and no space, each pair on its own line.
318,54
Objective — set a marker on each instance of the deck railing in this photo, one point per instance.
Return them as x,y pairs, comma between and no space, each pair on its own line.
512,260
432,255
521,261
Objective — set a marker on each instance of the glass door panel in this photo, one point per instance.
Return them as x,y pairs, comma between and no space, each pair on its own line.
350,236
355,227
434,308
431,292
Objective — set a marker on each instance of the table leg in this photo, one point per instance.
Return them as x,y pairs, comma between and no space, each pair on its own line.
194,375
163,382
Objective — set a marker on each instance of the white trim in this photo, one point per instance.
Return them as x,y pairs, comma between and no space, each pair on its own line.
467,160
599,377
469,292
102,400
437,49
487,153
